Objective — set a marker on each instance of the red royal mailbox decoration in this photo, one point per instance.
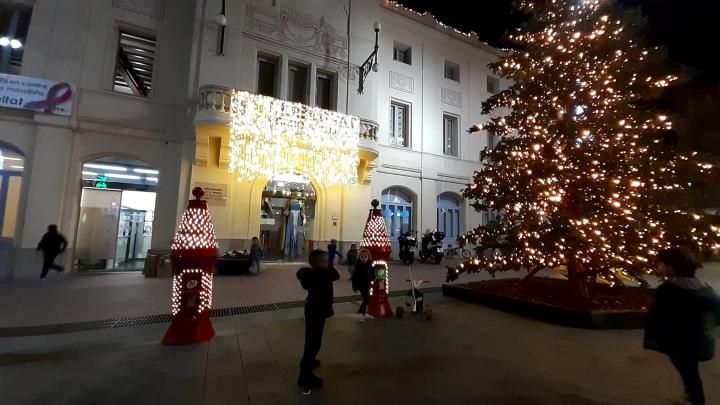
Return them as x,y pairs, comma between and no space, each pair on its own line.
375,239
194,252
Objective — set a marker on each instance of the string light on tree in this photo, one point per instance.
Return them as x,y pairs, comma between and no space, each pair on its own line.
594,190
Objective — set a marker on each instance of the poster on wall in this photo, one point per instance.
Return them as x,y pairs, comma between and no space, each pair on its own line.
29,93
215,194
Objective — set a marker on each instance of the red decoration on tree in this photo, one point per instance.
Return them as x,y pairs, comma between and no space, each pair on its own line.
194,252
375,239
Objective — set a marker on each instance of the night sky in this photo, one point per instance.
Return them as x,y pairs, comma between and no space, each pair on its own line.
690,29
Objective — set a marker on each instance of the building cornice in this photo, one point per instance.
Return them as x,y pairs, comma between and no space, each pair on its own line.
429,20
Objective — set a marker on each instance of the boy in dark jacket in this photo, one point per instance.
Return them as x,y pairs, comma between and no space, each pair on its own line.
317,280
361,279
681,320
51,245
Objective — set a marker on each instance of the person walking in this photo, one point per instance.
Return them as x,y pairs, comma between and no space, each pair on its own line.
361,280
51,245
681,320
256,254
318,281
333,252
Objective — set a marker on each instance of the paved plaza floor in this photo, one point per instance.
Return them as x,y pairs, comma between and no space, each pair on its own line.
75,298
468,354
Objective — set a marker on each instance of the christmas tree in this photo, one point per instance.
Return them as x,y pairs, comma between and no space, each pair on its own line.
582,175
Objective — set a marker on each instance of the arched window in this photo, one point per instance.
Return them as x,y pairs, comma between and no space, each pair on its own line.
448,216
397,208
12,164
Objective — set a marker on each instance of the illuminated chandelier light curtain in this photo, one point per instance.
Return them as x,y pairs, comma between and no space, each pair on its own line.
271,137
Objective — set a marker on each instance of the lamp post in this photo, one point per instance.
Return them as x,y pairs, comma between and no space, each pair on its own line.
371,61
221,21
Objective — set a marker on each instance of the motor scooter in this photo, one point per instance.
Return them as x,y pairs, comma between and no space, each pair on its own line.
431,248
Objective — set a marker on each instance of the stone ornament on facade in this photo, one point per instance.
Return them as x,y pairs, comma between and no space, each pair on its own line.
451,97
302,31
402,82
152,8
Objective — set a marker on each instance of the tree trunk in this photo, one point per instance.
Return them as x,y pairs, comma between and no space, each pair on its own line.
577,279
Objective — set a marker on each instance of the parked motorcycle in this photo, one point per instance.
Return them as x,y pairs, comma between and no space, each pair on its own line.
431,248
408,244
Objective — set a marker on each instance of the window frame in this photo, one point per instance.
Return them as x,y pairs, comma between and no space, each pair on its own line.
454,67
495,80
405,50
456,119
120,29
296,65
275,60
332,96
18,11
407,135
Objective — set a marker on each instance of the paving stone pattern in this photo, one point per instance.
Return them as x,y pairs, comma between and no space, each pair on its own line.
468,354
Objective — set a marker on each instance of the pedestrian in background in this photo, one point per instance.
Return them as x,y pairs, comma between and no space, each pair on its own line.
681,320
361,280
51,245
256,254
333,252
317,280
351,258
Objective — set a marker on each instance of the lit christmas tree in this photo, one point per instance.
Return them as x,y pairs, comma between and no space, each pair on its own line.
581,175
375,239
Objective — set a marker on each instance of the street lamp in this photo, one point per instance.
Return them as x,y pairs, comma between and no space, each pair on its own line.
371,61
221,21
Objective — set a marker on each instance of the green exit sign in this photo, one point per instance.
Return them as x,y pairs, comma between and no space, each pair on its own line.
101,182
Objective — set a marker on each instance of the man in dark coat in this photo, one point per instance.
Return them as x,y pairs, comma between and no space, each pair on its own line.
681,320
51,245
317,280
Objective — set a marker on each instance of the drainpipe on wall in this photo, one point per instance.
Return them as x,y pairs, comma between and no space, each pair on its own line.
347,82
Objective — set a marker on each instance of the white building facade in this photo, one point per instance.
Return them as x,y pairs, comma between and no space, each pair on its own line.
152,83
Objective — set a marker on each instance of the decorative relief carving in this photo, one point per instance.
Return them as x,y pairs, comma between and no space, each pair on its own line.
300,30
401,82
152,8
451,97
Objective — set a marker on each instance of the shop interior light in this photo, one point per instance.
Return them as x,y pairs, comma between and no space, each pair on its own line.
121,176
4,41
146,171
17,167
153,179
15,44
12,158
87,173
105,167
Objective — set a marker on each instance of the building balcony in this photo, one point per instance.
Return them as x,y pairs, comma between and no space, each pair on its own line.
214,117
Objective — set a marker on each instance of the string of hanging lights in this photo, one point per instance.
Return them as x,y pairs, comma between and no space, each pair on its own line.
271,137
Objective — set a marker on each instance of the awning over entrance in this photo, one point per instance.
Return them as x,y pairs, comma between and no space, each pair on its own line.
270,137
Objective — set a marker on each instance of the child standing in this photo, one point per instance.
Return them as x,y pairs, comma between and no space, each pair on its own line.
333,252
317,280
681,320
361,279
256,254
351,257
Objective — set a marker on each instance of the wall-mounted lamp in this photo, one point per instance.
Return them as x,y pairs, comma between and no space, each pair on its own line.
221,21
371,61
